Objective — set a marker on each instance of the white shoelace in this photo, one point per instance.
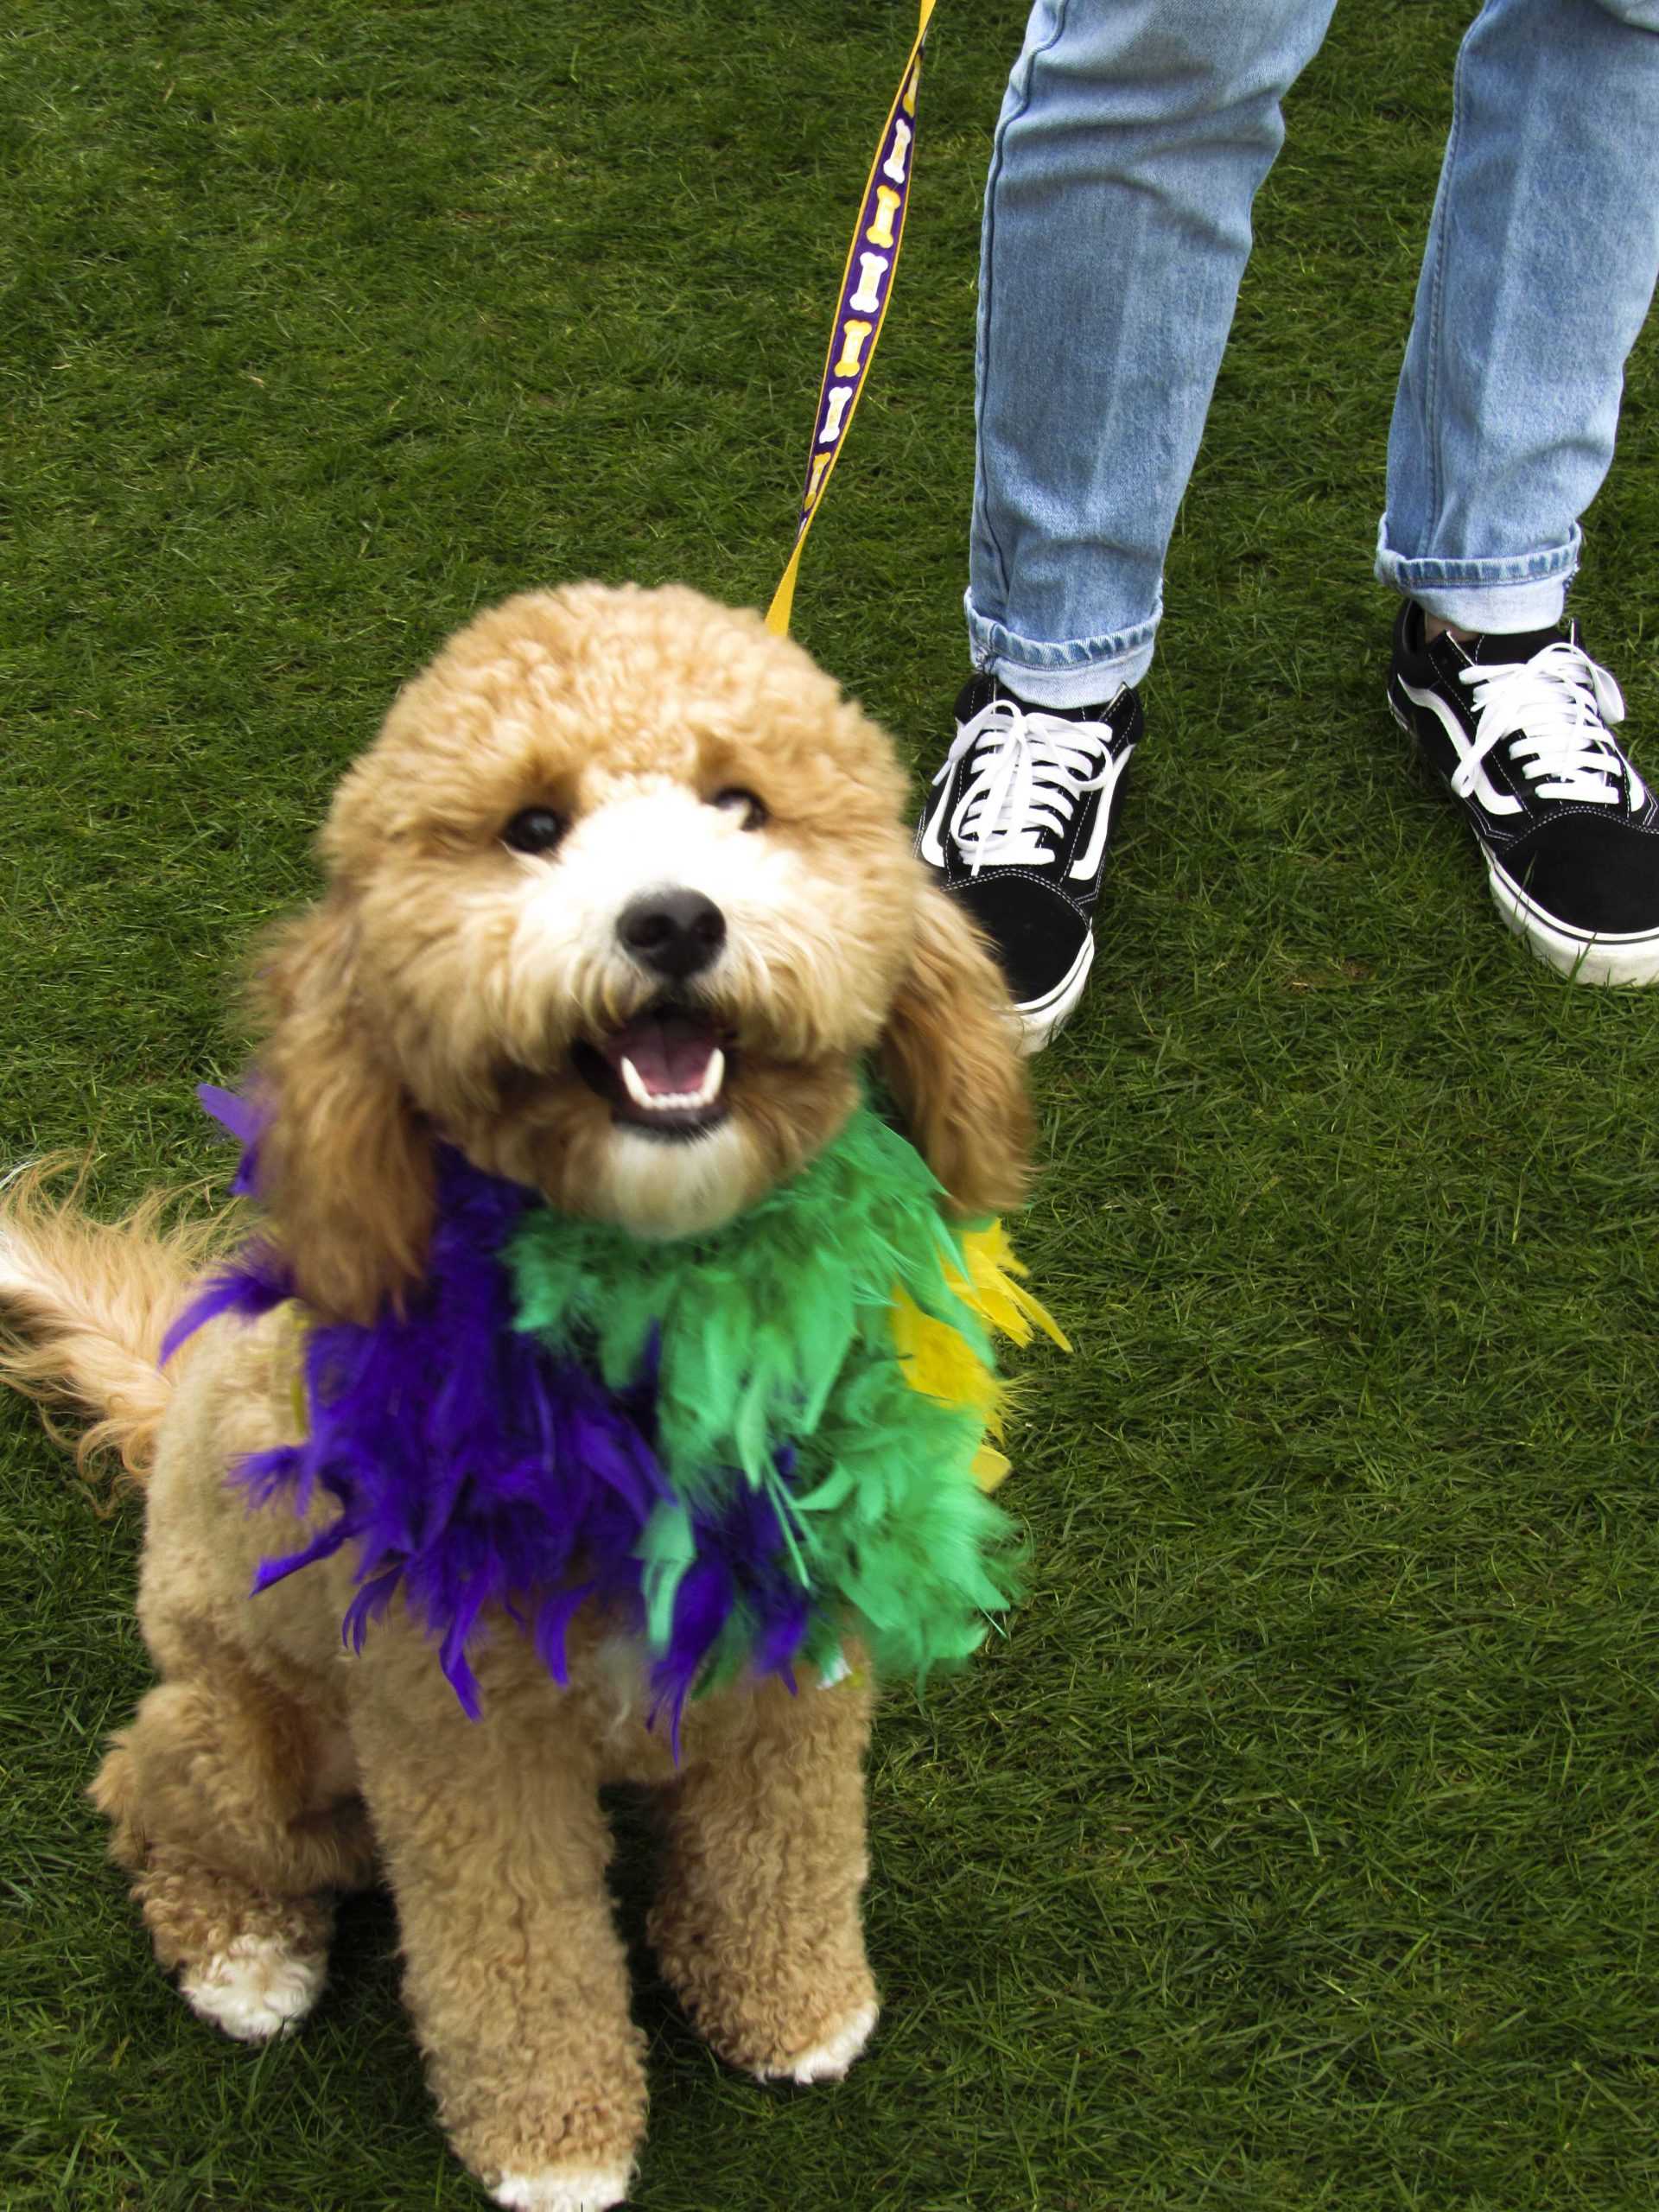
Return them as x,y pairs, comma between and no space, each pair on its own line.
1553,711
1028,773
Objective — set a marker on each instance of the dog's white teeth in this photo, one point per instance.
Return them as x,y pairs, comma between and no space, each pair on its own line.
635,1084
676,1102
708,1090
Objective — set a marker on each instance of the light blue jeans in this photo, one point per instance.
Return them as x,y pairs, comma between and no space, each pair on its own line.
1117,223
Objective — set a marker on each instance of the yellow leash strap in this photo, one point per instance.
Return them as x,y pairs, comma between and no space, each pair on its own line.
935,1358
866,288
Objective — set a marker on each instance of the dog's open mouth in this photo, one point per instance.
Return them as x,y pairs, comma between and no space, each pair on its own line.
667,1071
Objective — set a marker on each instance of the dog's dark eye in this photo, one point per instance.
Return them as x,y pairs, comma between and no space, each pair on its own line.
533,829
735,800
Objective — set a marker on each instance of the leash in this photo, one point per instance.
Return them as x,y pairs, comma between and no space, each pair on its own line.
934,1358
866,289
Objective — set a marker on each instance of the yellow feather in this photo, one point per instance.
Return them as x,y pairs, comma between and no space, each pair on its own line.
941,1362
992,1291
989,1466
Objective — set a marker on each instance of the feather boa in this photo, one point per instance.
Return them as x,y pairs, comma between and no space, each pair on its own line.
740,1446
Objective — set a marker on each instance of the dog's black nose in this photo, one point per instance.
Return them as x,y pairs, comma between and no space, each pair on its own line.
673,932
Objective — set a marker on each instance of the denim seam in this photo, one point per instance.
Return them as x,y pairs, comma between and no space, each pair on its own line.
1057,654
1437,294
1489,573
983,363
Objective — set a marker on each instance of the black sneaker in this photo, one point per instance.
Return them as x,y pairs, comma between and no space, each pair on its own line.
1520,726
1016,828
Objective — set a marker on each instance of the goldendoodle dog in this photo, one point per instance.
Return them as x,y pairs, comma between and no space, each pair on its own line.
624,970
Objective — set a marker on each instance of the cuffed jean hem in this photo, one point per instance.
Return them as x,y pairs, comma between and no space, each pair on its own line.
1082,672
1527,592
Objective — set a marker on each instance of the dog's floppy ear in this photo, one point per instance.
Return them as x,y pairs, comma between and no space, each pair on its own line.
344,1168
950,1056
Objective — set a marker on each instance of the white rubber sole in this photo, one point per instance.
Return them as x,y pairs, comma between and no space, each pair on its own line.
1043,1017
1630,962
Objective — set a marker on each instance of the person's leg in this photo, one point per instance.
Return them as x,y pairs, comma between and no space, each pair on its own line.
1540,267
1540,264
1117,224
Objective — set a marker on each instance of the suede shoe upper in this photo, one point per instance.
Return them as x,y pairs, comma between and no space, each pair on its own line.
1017,826
1520,727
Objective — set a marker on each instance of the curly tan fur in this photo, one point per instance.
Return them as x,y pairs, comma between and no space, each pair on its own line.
753,1934
944,1053
346,1168
448,986
83,1304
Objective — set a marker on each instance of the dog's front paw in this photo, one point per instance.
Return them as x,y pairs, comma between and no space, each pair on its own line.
257,1987
828,2059
564,2188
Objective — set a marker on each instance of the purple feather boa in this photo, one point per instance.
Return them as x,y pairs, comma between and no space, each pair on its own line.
475,1473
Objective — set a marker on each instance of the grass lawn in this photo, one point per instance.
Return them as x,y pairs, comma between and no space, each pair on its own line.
1296,1846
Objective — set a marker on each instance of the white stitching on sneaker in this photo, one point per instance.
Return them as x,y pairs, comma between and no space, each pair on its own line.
1028,772
1553,710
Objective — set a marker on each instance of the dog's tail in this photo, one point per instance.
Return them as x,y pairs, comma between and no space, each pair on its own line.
84,1305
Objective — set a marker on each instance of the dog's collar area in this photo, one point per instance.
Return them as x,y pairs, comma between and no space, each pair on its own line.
667,1072
744,1447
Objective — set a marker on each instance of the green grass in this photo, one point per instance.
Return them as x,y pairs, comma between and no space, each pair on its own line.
1296,1848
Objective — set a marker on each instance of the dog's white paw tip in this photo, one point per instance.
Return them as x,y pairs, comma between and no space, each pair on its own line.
564,2188
829,2060
255,1989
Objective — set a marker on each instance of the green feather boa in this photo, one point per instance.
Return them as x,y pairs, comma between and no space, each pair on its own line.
776,1331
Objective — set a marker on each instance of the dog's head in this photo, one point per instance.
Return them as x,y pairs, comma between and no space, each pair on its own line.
616,903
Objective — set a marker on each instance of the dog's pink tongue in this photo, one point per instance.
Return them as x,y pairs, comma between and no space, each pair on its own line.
670,1052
